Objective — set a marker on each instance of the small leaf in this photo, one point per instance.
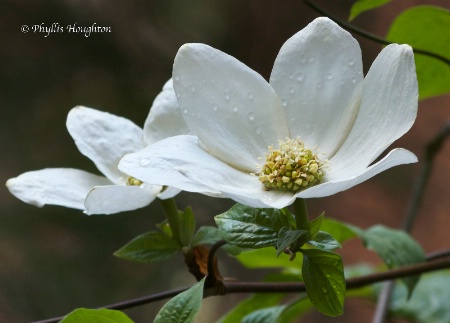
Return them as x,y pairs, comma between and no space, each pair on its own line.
325,241
187,226
364,5
247,227
206,235
287,237
265,315
323,275
84,315
149,247
266,258
183,307
315,225
165,227
426,27
339,230
395,247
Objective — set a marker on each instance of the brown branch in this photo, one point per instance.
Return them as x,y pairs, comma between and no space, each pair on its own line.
368,35
228,287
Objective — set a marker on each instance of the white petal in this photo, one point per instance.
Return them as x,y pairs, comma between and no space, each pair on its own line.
104,138
388,108
119,198
181,162
318,76
229,107
344,181
168,192
178,162
165,119
58,186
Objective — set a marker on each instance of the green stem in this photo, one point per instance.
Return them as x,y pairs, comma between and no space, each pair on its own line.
171,213
301,214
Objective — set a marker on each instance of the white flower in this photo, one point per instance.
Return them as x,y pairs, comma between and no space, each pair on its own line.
316,97
105,139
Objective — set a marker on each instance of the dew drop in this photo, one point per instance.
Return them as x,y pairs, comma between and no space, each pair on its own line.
300,76
303,59
311,59
351,62
328,276
213,81
291,76
329,76
353,79
359,72
319,85
292,90
251,116
303,102
193,88
215,108
335,263
204,81
284,102
185,110
235,108
258,131
227,96
324,289
178,95
177,78
250,96
144,162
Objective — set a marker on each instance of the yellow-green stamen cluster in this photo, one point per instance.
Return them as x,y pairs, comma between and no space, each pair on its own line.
291,167
131,181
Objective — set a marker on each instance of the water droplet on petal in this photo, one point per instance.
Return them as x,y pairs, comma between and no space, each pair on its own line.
144,162
215,108
177,78
353,79
303,59
324,289
185,110
251,116
351,62
300,76
193,88
319,85
235,108
284,102
303,102
213,81
292,90
329,76
311,59
258,130
227,96
250,96
291,76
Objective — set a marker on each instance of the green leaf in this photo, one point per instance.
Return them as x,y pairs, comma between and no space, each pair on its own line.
84,315
265,315
339,230
247,227
165,228
395,247
258,301
325,241
315,225
323,275
427,28
206,235
288,237
149,247
183,307
187,226
364,5
266,258
429,302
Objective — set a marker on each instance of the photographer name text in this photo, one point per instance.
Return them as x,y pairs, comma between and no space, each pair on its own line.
56,28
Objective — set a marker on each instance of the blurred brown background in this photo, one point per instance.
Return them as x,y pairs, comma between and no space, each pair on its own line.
55,259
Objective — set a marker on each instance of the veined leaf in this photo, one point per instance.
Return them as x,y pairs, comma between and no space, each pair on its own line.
325,241
248,227
361,6
183,307
323,274
149,247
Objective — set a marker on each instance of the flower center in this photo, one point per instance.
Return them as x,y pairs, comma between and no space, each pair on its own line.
291,167
131,181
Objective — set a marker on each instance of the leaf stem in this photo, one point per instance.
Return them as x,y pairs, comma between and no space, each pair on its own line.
301,214
171,213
